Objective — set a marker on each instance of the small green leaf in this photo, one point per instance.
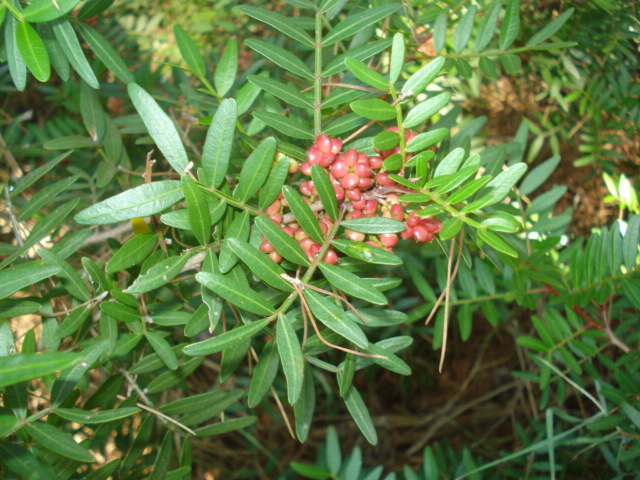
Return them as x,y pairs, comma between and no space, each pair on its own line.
488,67
366,253
235,293
11,307
280,23
386,140
283,243
52,438
190,52
325,191
33,51
360,415
550,29
367,75
374,225
284,91
344,124
20,461
397,58
147,199
227,339
373,109
226,426
303,214
536,177
47,10
17,67
290,357
501,222
426,109
225,74
281,57
510,24
450,227
487,26
304,407
335,318
264,374
355,22
392,362
426,139
423,77
440,32
450,163
500,186
70,142
255,170
68,40
160,274
363,52
163,349
23,275
103,416
511,63
217,145
463,31
134,251
292,127
160,127
239,228
72,281
106,53
197,209
93,115
35,174
498,243
345,378
260,264
275,181
44,196
352,284
22,367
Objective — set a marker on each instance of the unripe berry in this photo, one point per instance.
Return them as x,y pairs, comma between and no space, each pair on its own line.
354,236
293,166
330,257
307,188
413,219
350,181
294,226
339,169
353,214
273,208
275,256
397,212
389,239
266,247
324,143
300,235
276,218
288,231
305,168
306,243
382,179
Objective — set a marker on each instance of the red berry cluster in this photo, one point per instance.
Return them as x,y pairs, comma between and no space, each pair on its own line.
361,188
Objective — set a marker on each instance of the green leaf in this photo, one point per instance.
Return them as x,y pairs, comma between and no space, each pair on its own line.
500,186
235,293
280,23
53,439
362,52
284,91
510,24
373,109
93,8
147,199
502,222
47,10
511,63
72,283
11,307
366,253
190,52
440,32
344,124
217,146
44,196
106,53
488,67
193,403
367,75
629,242
487,26
283,243
450,163
163,349
239,228
17,67
325,191
536,177
197,209
392,362
423,77
23,275
355,22
66,37
160,274
70,142
281,57
33,51
162,457
303,214
304,407
103,416
374,225
264,374
160,127
93,116
225,74
289,126
335,318
546,200
450,227
290,357
498,243
426,139
19,368
224,340
426,109
133,252
71,375
260,264
274,183
255,170
397,58
550,29
226,426
464,29
352,284
360,415
386,140
377,317
35,174
20,461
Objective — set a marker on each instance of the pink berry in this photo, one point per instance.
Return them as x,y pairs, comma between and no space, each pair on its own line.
375,163
407,233
313,155
330,257
370,208
362,170
307,188
276,218
421,235
324,143
273,208
327,222
354,236
300,235
365,183
275,256
382,179
397,212
306,243
413,220
353,214
354,194
339,193
288,231
359,204
389,239
305,168
266,247
350,181
314,249
339,169
336,145
351,157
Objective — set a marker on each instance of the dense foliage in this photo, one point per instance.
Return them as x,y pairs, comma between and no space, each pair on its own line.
285,215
